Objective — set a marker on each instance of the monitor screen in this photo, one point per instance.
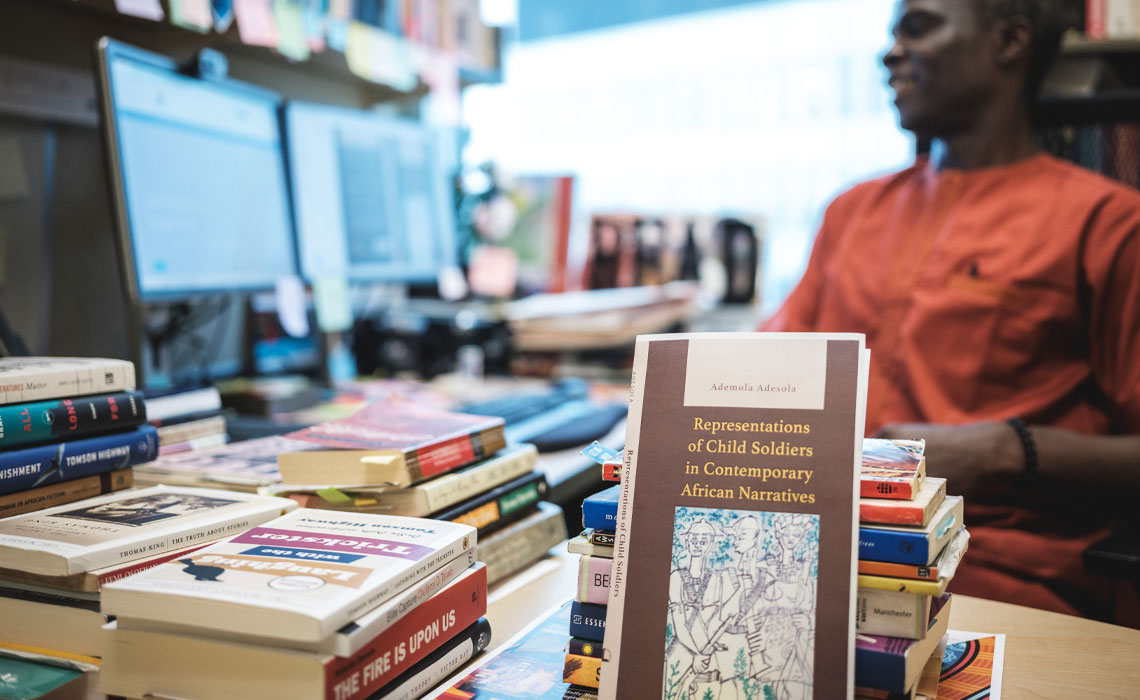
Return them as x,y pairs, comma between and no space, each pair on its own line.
371,195
199,178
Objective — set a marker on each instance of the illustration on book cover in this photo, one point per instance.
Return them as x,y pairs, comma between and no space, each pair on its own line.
146,509
742,601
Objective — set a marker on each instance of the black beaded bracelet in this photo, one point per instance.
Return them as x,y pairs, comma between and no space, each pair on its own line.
1028,446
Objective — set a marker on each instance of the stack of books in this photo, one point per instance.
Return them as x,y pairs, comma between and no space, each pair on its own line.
54,563
910,542
312,604
70,428
187,419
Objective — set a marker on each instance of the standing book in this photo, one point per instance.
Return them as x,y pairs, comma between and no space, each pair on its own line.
126,526
392,440
736,527
25,379
293,581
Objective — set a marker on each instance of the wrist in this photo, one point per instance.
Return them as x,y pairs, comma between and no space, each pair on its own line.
1022,456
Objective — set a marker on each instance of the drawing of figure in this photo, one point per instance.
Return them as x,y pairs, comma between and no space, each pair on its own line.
785,639
694,611
742,611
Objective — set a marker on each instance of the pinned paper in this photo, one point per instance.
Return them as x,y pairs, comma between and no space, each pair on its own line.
256,25
146,9
13,170
290,299
330,296
195,15
600,454
291,41
336,24
315,12
223,13
379,57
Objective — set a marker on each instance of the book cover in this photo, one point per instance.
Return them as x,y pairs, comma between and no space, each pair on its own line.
24,379
439,664
524,542
594,580
140,661
889,511
65,492
393,439
893,663
892,468
32,467
891,613
62,419
585,671
599,511
126,526
912,545
587,621
736,558
581,545
500,506
297,578
943,566
529,666
240,466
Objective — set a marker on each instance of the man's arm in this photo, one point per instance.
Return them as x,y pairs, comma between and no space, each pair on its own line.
973,455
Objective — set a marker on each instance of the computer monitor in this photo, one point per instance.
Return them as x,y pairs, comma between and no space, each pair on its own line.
198,178
371,194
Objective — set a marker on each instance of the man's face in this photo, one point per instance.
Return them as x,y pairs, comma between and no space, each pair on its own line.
941,65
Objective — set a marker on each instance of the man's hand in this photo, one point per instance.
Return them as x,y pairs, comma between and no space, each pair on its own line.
971,457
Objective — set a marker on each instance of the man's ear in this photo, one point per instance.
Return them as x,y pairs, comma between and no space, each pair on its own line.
1013,38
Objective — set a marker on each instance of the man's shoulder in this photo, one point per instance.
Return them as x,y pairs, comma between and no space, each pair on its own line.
1080,182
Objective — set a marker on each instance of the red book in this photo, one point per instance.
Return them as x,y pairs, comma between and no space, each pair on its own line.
1096,19
891,468
392,440
918,512
611,471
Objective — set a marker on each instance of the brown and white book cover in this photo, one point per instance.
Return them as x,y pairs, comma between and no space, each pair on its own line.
734,562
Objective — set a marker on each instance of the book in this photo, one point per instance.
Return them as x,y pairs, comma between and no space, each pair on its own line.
167,407
942,567
426,497
529,666
524,542
45,621
587,621
912,545
584,647
902,585
594,580
603,537
63,419
892,468
93,581
891,613
599,511
32,467
200,443
741,481
239,466
296,579
611,471
585,671
500,506
392,440
580,545
25,379
65,492
889,511
141,661
126,526
439,664
893,663
191,430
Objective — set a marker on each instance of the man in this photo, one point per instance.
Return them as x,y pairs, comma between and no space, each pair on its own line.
999,289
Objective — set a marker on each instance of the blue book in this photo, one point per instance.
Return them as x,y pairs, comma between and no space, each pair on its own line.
48,464
587,621
894,664
600,510
912,545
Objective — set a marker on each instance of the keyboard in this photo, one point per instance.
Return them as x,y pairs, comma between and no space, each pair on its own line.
517,407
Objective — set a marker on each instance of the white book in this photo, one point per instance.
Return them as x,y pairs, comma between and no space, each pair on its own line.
299,578
126,526
35,378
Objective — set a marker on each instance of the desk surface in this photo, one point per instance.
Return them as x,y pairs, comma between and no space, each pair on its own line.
1047,655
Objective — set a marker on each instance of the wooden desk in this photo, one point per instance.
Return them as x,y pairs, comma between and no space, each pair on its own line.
1047,655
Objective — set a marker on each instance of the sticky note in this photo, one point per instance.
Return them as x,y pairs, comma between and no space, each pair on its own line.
380,57
330,296
291,39
146,9
195,15
256,25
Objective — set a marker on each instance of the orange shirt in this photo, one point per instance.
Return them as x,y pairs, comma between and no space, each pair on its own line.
987,294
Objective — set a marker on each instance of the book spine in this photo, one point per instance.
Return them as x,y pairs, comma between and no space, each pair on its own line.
35,466
910,571
883,667
377,621
587,621
43,421
1120,19
506,504
523,543
64,492
611,471
602,537
894,546
1096,12
585,671
584,647
456,488
594,580
441,663
600,515
112,575
456,452
417,634
891,614
185,432
902,585
101,378
873,488
875,511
